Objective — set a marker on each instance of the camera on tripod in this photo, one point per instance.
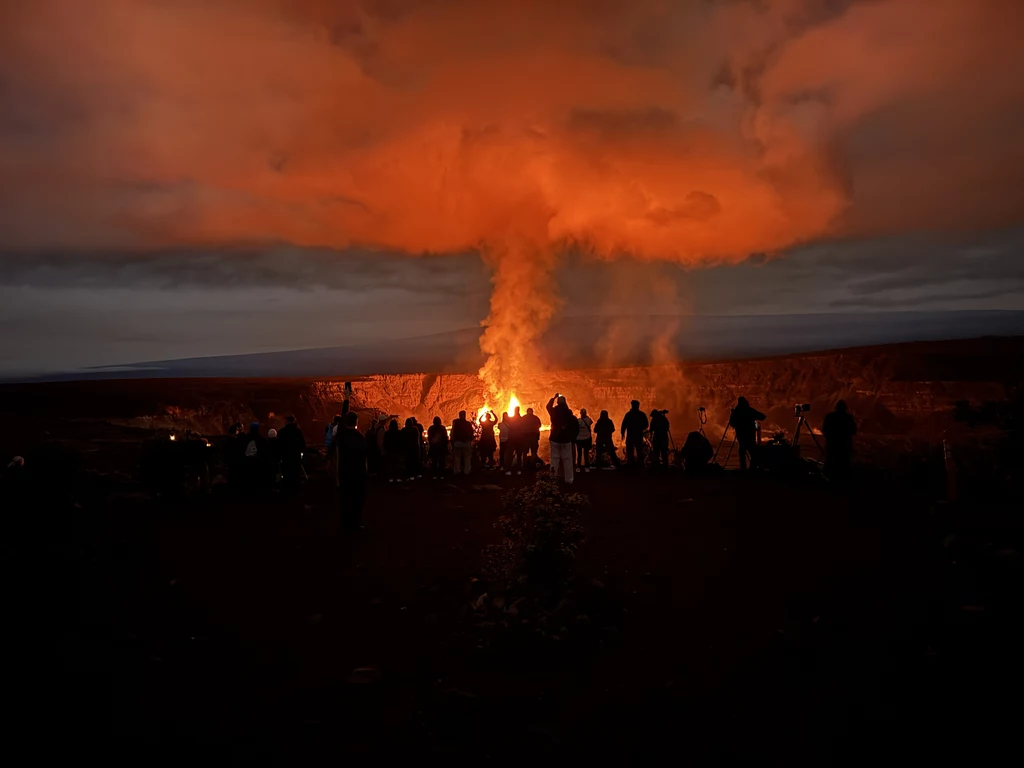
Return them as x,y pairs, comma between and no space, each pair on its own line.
801,408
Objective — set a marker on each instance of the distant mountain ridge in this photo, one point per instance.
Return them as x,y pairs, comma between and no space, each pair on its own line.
578,342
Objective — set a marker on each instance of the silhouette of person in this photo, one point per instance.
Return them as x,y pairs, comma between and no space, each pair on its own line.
350,447
517,438
660,428
437,440
505,443
604,430
256,459
374,440
584,441
411,449
486,446
531,438
292,444
564,429
394,452
744,420
462,444
634,425
839,428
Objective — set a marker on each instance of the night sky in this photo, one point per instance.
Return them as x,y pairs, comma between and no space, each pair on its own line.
203,177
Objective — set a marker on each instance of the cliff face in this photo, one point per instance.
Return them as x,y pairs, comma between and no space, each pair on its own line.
907,390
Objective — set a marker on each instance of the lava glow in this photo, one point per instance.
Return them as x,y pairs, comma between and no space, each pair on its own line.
513,403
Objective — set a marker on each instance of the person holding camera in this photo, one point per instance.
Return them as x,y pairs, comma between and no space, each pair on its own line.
744,421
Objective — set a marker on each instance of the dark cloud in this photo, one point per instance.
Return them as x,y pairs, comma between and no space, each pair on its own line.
457,277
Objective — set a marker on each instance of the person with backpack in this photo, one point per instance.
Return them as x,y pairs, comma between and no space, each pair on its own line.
462,444
531,438
565,428
584,441
437,439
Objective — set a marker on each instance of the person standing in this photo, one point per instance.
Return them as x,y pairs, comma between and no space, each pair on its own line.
486,446
660,428
374,440
744,420
437,438
839,428
531,425
462,444
584,440
293,444
564,429
604,431
504,443
350,447
634,425
517,438
394,452
411,447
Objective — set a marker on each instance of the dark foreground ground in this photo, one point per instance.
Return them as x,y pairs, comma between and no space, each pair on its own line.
735,619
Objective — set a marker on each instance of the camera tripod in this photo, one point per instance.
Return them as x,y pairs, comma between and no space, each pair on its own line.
721,442
802,422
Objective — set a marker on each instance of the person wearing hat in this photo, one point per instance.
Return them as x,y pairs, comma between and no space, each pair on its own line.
634,425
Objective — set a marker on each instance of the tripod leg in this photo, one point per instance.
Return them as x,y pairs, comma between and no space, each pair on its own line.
720,443
731,446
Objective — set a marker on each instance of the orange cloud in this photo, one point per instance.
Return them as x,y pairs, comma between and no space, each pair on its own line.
688,131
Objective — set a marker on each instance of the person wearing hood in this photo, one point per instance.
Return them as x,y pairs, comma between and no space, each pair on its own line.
564,430
634,425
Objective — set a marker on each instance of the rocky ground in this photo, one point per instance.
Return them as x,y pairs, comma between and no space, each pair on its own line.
722,618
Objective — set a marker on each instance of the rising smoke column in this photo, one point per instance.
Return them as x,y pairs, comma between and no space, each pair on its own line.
687,131
522,304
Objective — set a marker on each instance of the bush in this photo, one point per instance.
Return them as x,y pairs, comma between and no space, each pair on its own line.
541,534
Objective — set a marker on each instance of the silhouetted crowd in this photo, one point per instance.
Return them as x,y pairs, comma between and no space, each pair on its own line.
257,462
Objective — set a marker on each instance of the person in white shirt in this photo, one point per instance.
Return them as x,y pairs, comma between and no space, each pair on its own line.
584,441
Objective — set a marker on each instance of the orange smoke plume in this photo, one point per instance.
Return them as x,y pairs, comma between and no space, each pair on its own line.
684,131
